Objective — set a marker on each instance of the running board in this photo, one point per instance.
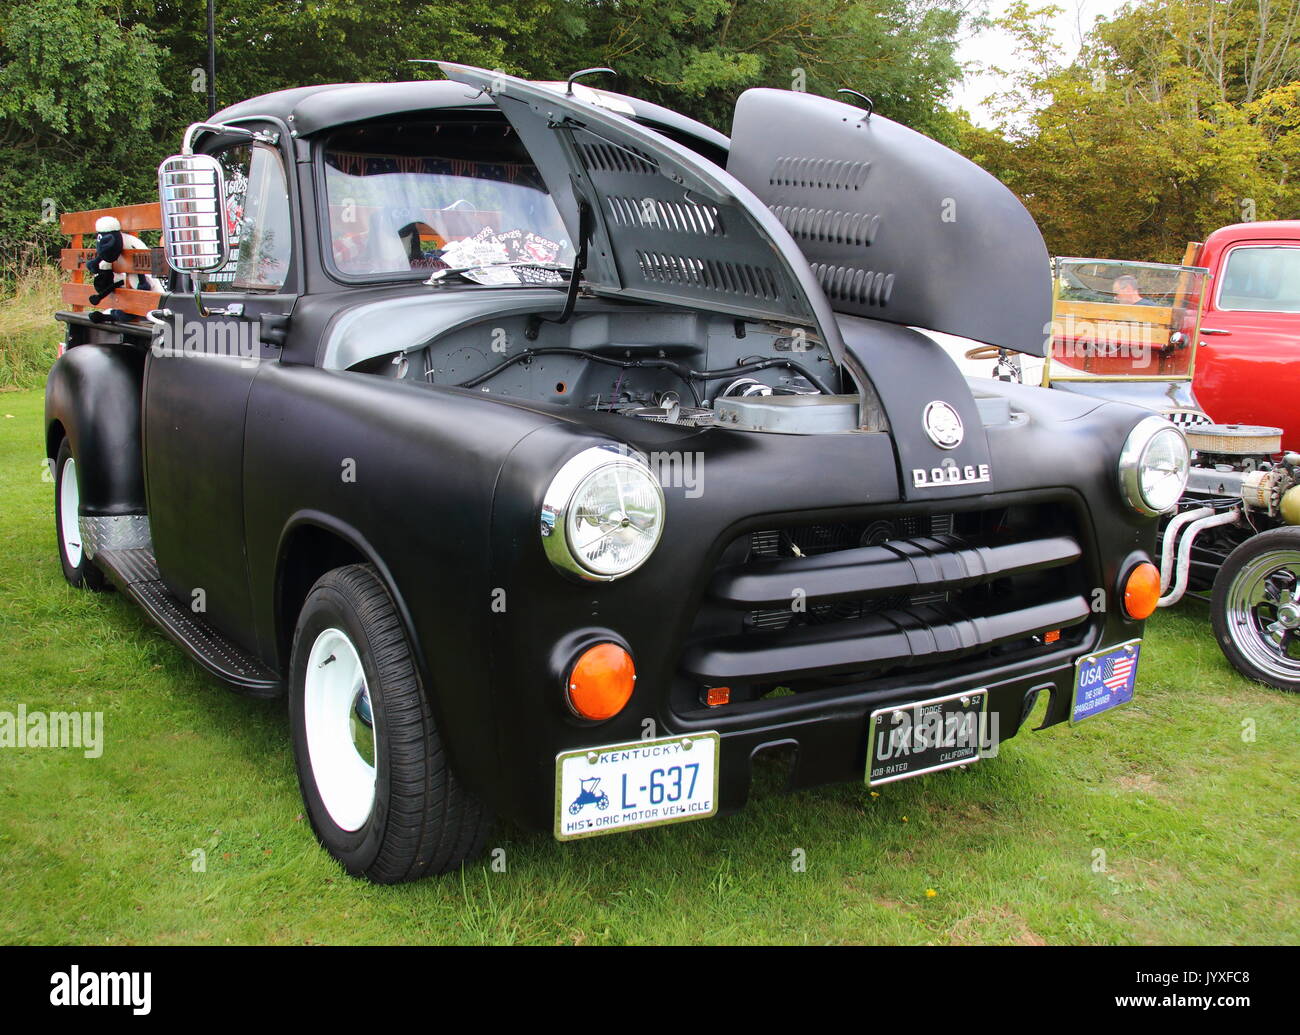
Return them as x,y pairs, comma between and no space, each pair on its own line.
135,573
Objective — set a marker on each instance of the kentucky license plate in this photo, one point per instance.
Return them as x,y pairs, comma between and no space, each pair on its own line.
645,783
1105,680
925,737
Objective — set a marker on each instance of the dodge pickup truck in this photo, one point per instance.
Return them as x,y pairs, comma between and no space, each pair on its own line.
556,456
1248,366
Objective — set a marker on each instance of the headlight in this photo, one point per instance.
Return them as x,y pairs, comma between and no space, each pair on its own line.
1153,466
602,515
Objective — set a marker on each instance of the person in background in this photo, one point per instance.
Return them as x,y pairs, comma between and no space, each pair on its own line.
1125,290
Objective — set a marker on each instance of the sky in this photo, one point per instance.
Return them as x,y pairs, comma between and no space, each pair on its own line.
992,47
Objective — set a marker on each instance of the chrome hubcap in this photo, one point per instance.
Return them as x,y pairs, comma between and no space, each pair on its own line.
1263,613
362,722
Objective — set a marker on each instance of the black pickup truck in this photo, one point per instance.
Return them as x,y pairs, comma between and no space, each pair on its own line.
556,455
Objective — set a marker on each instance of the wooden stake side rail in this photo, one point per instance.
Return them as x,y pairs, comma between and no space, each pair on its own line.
1115,312
136,260
137,303
134,219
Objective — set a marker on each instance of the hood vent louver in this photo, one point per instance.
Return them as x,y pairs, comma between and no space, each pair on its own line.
822,173
711,275
828,224
858,286
682,217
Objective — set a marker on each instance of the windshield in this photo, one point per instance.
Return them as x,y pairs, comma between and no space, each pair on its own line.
1115,319
428,196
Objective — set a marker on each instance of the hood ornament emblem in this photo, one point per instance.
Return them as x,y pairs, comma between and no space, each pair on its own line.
943,425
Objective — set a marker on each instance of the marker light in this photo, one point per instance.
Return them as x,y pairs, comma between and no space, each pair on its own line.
601,681
1142,591
717,696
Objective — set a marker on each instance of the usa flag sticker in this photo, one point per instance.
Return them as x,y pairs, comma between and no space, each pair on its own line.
1105,680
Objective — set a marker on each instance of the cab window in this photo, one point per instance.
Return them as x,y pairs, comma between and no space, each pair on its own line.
1262,279
257,220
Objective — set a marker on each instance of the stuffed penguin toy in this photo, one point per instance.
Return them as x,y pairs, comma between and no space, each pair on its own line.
107,267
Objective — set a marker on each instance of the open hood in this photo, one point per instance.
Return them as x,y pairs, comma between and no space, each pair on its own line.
896,226
665,225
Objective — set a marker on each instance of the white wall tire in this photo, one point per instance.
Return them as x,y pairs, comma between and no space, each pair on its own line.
78,568
396,813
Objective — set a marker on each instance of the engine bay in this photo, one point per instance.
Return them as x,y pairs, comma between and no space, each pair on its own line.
678,367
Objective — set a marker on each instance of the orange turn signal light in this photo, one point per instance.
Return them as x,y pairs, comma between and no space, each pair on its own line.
601,681
1052,637
717,696
1142,591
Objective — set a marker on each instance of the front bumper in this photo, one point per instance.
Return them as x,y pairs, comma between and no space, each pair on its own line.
825,733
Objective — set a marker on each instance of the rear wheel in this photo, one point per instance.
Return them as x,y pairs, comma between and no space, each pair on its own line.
1255,608
77,566
371,765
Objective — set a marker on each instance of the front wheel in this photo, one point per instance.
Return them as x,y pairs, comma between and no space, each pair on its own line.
371,766
1255,608
78,568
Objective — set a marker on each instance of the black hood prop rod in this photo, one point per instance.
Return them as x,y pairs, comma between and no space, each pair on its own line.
585,220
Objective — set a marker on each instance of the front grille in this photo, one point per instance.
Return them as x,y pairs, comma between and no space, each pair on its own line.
807,606
813,540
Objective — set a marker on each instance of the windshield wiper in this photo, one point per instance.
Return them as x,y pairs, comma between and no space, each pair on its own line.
437,276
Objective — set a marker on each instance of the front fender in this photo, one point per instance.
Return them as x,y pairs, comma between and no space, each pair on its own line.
405,474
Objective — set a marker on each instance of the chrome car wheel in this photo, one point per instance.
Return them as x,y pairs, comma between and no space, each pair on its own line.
1263,613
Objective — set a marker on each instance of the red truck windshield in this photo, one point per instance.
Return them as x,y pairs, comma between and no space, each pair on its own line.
426,197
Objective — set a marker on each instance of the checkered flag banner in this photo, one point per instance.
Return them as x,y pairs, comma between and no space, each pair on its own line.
1007,367
1186,418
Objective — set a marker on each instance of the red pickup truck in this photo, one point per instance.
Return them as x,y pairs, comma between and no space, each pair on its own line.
1248,363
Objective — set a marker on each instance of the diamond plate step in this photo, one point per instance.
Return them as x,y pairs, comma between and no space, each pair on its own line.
135,572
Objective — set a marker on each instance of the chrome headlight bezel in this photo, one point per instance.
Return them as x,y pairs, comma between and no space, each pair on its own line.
1132,460
565,488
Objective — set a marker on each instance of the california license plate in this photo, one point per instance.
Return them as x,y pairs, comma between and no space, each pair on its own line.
926,737
644,783
1105,680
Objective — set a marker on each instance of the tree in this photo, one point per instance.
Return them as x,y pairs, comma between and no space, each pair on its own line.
93,93
1156,135
697,55
80,94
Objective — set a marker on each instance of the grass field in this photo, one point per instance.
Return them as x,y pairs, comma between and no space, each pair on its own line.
28,337
1158,824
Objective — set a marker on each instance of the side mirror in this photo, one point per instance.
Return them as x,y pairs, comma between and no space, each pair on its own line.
192,192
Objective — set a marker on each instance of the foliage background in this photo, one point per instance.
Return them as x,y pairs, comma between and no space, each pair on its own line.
1177,117
93,93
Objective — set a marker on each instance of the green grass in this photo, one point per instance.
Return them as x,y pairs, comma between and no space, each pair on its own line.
1198,827
28,336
